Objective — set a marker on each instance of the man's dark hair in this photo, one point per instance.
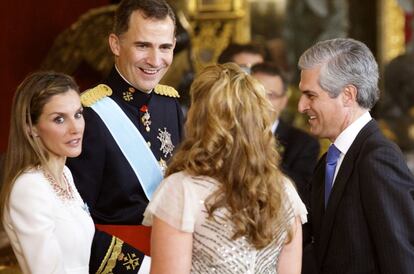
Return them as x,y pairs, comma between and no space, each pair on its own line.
399,81
271,69
156,9
233,49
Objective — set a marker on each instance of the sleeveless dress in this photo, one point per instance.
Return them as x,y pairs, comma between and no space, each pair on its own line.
179,201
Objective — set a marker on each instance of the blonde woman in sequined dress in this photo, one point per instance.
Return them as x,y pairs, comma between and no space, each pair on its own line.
46,220
225,207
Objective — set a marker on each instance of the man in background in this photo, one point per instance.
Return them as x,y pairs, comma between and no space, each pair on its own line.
245,55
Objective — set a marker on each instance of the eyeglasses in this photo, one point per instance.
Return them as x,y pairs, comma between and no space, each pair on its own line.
273,96
246,69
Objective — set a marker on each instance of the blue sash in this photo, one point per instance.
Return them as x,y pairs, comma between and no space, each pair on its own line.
132,144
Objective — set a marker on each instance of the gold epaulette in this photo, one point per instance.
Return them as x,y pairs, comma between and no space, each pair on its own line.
166,91
91,96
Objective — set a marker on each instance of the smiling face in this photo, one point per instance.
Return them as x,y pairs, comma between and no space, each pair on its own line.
144,52
60,126
328,117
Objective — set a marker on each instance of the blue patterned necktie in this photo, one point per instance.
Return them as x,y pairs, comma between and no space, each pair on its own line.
331,160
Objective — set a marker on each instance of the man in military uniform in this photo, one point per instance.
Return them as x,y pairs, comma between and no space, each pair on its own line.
133,125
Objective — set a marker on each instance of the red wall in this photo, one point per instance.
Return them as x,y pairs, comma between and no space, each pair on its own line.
29,28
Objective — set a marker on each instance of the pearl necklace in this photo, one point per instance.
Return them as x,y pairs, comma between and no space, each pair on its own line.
63,192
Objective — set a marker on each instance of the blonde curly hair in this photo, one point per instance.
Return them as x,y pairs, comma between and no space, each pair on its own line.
228,138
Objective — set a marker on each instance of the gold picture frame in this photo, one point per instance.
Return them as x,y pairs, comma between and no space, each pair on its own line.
216,9
214,5
391,38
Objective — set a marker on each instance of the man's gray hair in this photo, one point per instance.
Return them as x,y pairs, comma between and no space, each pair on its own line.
343,62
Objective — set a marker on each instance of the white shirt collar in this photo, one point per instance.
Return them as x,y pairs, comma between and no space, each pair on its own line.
274,126
344,141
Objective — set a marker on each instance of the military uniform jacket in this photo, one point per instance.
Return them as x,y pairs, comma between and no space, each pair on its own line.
102,175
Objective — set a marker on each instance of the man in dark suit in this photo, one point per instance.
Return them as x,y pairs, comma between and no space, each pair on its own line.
362,191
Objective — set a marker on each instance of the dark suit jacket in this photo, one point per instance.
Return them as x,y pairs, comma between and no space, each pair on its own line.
368,226
299,152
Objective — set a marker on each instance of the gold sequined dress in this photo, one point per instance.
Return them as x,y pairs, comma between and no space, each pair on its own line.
179,201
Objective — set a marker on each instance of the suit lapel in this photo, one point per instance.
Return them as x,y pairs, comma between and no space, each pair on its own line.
341,180
328,218
282,133
281,129
282,136
317,202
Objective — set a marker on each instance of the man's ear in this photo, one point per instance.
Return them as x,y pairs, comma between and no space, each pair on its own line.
349,93
114,44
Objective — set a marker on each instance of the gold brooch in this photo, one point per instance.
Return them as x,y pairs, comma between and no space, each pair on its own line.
130,260
163,165
128,95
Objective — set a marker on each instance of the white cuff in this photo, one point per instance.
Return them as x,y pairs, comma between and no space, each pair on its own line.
145,266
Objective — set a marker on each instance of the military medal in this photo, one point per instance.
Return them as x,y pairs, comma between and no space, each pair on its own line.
163,165
146,117
128,95
167,146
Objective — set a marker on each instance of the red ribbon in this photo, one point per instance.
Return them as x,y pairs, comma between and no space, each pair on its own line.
144,108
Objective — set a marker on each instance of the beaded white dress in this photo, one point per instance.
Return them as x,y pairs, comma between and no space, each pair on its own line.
179,201
48,234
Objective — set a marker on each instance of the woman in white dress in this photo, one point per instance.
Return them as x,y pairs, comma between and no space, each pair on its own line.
46,220
225,207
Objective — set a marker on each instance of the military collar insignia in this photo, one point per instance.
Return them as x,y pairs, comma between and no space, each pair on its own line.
166,91
129,94
91,96
167,146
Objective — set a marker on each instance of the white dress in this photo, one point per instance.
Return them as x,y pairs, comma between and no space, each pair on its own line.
48,235
179,201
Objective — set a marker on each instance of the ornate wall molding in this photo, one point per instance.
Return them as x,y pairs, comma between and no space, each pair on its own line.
214,24
391,30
